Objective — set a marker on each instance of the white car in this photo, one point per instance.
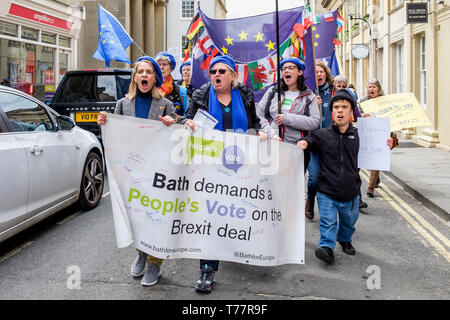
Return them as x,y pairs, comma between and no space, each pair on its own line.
46,163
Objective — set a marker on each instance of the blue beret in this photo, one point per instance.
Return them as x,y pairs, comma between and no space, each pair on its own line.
158,73
295,61
168,55
187,63
223,59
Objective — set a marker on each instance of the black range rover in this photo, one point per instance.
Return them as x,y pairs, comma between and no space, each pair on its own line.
82,94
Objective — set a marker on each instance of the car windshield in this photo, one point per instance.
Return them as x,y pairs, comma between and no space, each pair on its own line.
93,88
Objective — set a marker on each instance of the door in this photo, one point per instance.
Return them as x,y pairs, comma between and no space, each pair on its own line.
14,179
52,155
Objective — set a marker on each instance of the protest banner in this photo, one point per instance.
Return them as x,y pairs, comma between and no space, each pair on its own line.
220,196
402,108
374,153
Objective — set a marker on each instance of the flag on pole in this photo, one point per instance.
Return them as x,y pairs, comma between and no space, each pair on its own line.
328,16
339,21
112,39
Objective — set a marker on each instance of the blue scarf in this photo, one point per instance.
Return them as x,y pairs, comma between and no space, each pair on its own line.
238,113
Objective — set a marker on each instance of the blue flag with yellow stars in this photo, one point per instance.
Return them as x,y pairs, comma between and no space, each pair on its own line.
323,32
251,43
112,39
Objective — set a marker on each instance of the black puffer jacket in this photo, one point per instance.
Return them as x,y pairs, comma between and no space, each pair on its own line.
200,100
338,158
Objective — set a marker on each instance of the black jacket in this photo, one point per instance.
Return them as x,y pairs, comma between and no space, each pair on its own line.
200,99
338,158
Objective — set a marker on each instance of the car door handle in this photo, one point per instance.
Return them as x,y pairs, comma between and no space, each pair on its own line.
37,150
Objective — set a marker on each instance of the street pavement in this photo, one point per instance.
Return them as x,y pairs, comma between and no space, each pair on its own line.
402,252
424,173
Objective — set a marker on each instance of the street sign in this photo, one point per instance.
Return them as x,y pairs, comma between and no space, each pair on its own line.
360,51
417,12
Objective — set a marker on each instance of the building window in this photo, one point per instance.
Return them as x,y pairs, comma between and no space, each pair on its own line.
30,34
9,29
184,41
64,42
423,73
48,37
187,9
400,69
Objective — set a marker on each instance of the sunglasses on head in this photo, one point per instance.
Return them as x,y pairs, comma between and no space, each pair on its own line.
221,71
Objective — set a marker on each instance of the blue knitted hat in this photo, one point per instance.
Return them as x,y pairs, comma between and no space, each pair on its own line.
295,61
158,73
168,55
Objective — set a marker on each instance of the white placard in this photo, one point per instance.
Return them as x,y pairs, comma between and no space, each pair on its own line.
374,153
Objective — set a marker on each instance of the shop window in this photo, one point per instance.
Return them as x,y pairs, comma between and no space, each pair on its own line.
64,41
29,68
30,34
9,29
63,64
48,37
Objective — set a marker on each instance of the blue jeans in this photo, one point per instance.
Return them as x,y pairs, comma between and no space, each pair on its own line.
212,263
313,174
329,229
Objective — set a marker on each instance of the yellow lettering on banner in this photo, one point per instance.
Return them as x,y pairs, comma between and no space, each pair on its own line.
402,108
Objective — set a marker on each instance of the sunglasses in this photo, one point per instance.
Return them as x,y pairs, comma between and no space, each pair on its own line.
221,71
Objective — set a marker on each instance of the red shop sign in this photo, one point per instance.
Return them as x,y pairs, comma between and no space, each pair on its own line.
40,17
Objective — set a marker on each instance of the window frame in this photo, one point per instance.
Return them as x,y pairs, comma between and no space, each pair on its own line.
422,72
181,9
7,121
400,80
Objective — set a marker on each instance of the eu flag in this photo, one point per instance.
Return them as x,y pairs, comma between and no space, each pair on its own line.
112,39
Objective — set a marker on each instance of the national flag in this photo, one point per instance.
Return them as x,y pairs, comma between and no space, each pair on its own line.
339,21
204,50
328,16
242,72
336,40
334,65
112,39
316,19
194,26
246,40
304,22
263,72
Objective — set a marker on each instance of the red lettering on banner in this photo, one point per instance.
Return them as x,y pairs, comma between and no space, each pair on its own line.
40,17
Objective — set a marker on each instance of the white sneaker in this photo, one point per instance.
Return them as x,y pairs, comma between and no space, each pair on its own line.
151,275
138,266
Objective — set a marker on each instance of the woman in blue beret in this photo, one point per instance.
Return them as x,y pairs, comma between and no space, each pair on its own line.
233,105
299,109
169,88
144,100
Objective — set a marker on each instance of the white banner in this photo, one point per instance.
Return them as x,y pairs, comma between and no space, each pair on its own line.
219,196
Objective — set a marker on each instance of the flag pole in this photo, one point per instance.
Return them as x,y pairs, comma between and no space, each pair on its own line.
139,48
280,131
315,73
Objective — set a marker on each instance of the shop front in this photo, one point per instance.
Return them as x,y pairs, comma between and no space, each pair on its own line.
38,45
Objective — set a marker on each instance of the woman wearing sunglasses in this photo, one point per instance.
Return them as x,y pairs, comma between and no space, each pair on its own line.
299,109
233,105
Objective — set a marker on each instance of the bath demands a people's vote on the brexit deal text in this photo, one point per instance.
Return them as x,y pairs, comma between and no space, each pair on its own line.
215,195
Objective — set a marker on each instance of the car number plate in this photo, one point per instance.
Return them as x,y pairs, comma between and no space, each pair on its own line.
86,116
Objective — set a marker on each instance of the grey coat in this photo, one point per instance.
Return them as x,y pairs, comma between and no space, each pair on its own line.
161,107
294,121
